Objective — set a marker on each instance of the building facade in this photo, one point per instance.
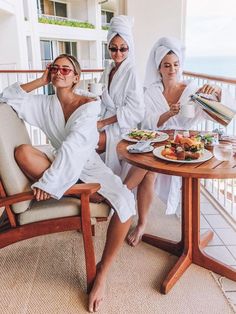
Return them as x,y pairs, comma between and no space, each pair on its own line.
34,32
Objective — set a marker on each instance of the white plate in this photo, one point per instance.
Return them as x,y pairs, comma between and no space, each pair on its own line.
160,138
146,150
205,156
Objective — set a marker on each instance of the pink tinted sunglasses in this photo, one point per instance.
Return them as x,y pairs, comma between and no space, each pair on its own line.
64,71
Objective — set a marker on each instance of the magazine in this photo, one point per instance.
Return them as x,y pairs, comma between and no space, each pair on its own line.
215,109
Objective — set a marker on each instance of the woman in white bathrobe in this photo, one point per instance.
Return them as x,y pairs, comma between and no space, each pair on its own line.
69,121
165,93
122,100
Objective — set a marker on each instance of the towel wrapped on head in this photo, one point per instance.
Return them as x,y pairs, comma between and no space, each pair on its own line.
122,25
158,52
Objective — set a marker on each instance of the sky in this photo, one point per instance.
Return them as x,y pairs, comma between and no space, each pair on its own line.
211,28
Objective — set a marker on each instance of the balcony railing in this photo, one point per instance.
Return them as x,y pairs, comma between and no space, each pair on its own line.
8,77
222,191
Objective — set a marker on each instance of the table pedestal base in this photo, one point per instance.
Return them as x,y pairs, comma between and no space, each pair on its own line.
189,249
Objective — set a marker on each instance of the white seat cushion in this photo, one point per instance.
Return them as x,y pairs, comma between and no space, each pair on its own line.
65,207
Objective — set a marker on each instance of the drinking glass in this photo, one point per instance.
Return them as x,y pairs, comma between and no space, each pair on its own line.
182,133
223,151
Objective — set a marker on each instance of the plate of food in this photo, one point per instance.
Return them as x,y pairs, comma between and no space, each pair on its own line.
183,150
136,135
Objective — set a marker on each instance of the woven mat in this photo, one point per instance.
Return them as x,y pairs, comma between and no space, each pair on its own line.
47,275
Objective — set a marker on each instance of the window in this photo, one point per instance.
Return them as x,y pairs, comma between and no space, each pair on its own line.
60,9
40,6
105,54
29,51
26,10
52,8
46,47
68,47
106,17
46,50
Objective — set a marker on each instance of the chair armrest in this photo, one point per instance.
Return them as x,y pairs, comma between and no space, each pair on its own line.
88,188
84,188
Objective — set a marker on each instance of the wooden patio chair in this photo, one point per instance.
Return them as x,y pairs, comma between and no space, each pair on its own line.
23,217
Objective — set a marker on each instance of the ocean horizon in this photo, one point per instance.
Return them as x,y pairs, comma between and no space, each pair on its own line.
213,65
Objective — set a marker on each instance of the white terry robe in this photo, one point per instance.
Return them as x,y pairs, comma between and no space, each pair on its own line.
168,187
74,144
124,99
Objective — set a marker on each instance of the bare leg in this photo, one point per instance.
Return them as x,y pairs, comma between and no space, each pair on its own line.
32,161
145,181
134,177
102,142
145,194
116,234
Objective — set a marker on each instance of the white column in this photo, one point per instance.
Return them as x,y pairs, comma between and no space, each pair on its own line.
162,18
94,13
34,34
95,47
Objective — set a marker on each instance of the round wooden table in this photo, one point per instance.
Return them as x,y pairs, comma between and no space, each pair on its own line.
190,248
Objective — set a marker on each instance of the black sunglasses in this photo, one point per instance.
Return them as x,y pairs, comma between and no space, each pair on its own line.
122,49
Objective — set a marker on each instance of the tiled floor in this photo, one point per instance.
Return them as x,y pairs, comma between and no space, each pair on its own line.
223,245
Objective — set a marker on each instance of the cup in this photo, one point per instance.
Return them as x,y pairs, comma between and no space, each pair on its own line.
96,88
188,110
223,151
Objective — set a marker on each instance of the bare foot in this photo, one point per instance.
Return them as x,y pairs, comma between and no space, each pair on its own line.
98,291
135,236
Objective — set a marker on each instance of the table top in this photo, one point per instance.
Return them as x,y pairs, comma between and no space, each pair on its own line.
211,169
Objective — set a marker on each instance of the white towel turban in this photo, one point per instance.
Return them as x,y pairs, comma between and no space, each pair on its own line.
158,52
122,25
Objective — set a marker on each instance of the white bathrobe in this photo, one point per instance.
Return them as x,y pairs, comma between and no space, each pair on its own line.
74,144
125,100
168,187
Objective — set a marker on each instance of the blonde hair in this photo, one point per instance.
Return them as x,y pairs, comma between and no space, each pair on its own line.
73,61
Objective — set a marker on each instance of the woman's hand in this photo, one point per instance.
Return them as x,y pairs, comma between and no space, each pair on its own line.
41,195
209,89
100,124
174,109
46,77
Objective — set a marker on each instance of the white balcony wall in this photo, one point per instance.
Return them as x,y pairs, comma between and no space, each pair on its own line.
78,10
12,34
7,6
69,33
154,19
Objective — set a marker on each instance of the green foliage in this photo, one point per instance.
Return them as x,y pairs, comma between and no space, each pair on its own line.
45,20
105,27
